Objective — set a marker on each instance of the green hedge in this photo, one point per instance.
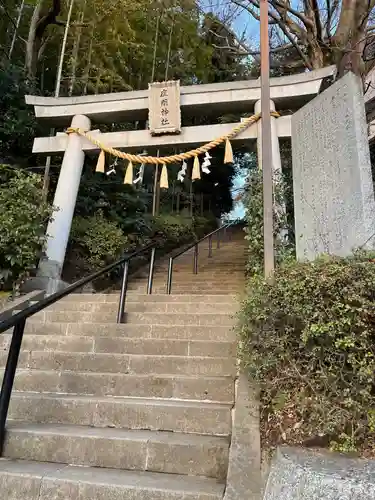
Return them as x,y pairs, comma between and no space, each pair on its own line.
308,340
97,240
23,220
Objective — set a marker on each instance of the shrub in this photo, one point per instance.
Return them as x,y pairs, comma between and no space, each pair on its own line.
23,220
309,341
203,225
174,229
97,241
254,222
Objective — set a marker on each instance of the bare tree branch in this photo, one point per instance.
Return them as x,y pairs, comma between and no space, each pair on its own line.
253,53
288,22
288,35
329,19
288,8
251,11
318,22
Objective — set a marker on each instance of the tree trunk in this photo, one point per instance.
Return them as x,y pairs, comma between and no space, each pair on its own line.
349,39
38,25
315,52
32,47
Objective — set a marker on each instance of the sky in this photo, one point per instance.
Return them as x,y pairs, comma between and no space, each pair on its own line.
238,210
243,24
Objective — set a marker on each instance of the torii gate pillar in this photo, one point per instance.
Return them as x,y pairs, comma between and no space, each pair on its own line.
58,230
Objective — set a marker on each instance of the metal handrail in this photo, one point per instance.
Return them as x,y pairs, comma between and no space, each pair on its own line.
18,321
195,246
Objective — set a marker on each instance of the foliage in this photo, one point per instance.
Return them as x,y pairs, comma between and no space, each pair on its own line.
119,203
202,225
23,220
111,45
254,222
218,184
17,123
98,240
226,65
308,339
174,229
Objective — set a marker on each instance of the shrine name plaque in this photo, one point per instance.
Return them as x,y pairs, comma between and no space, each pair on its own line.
164,107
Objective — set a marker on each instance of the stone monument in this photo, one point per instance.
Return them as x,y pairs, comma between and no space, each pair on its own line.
333,191
299,474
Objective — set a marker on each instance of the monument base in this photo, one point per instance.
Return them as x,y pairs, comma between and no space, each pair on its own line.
300,474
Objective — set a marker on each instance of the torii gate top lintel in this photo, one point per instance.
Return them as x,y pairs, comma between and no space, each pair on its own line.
288,92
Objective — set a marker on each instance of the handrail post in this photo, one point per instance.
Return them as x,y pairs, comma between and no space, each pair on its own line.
210,246
196,259
169,280
218,239
124,286
8,380
151,272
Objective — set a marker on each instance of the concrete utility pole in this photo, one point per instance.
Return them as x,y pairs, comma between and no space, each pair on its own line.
269,257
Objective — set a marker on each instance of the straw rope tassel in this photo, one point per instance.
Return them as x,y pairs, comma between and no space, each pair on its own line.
129,174
164,178
228,156
196,174
101,162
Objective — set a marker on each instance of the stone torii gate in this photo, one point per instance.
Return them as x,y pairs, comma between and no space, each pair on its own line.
287,93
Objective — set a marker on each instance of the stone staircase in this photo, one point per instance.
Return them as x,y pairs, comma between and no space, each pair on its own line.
135,411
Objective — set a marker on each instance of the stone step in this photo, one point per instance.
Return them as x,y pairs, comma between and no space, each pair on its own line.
182,288
24,480
113,298
168,452
175,332
211,272
121,345
124,413
203,319
199,319
131,306
218,389
192,281
194,291
125,363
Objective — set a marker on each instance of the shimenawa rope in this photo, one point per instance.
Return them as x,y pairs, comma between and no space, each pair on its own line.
174,158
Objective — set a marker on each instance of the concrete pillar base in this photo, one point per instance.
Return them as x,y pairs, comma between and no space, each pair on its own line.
49,268
43,283
47,279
